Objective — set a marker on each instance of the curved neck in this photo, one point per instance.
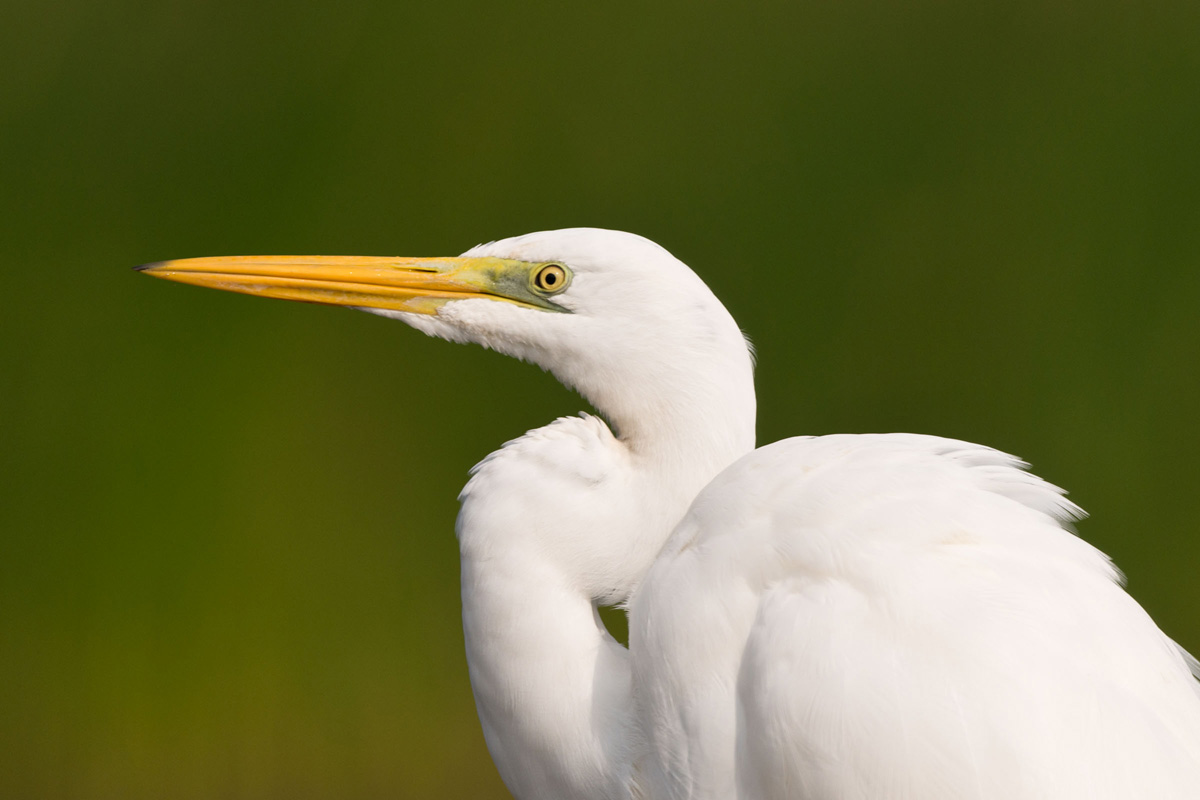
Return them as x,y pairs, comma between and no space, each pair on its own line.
549,524
694,431
551,686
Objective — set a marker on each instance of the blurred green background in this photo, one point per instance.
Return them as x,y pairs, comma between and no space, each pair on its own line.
227,562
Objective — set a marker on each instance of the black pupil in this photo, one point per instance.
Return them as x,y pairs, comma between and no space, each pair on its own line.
549,277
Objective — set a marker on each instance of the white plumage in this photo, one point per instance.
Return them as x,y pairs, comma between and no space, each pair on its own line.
901,616
875,616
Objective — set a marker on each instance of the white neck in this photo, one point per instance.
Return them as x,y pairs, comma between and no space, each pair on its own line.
553,689
551,686
570,514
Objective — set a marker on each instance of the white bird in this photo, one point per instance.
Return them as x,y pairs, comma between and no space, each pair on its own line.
872,616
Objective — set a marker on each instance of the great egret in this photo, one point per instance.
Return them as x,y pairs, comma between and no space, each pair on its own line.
874,616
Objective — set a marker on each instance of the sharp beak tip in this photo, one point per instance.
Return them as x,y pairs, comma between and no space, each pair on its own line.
148,267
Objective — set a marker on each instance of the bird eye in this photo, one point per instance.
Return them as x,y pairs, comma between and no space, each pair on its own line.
550,279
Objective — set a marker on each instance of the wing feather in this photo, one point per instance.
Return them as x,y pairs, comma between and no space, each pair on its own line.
899,616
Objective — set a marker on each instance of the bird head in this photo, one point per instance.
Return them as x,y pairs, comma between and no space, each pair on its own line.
611,314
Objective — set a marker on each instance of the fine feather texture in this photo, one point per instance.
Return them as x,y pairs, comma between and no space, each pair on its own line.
881,616
533,640
874,617
899,616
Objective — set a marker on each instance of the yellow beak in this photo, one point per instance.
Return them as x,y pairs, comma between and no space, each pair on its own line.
417,285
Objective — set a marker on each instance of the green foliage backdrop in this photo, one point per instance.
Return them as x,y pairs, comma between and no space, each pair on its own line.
227,563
